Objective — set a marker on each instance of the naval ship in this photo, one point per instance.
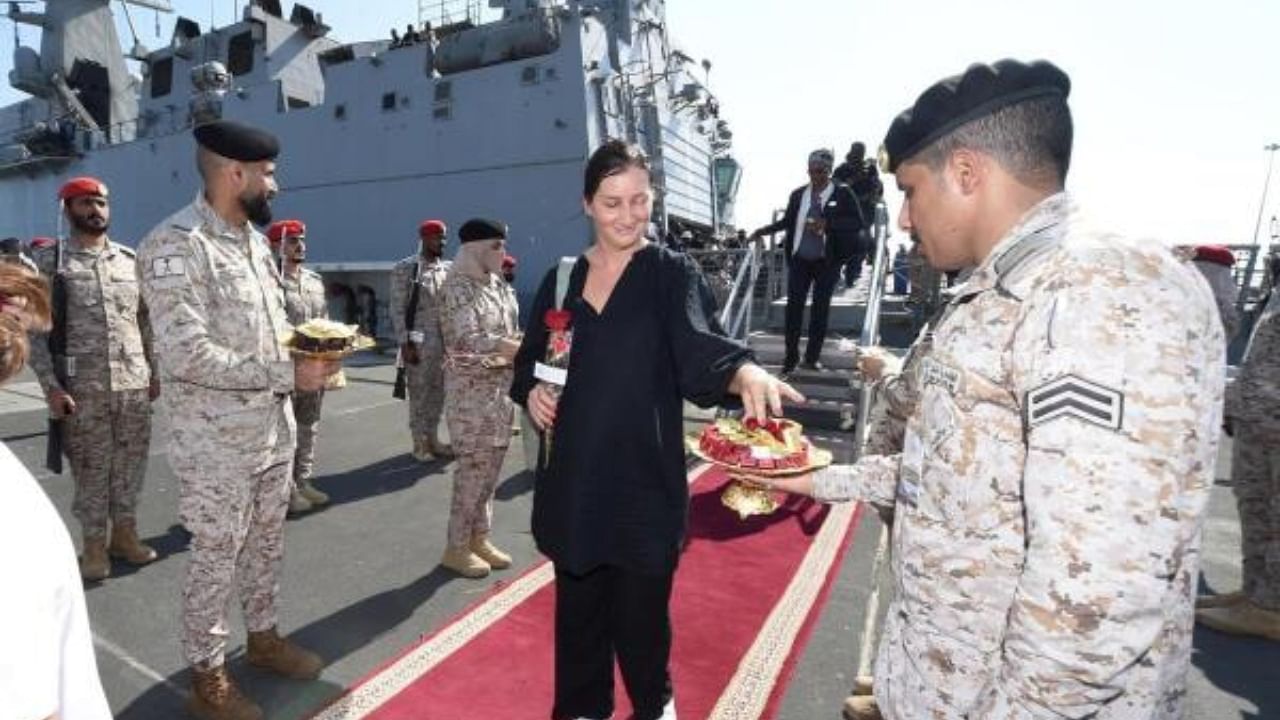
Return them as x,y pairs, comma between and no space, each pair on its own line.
486,114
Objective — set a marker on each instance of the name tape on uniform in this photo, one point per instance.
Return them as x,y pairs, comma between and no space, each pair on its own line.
1072,396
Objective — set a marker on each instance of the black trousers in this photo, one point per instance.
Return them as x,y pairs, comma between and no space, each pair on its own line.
605,613
821,275
853,267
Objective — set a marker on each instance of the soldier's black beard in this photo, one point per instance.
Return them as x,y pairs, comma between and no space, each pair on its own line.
257,209
90,225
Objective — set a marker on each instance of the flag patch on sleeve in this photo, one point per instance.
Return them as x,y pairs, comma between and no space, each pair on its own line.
1072,396
168,266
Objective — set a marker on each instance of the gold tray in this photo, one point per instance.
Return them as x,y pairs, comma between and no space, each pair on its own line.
747,499
362,342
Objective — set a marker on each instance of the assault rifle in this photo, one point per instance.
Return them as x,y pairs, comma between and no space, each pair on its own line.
410,314
58,353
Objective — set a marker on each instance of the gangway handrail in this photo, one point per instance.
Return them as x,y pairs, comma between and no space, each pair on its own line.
871,336
742,320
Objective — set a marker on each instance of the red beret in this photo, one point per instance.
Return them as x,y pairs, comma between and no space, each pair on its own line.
1219,254
508,262
43,242
81,186
432,227
278,229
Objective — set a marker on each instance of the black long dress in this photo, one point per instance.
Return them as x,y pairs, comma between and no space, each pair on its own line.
613,491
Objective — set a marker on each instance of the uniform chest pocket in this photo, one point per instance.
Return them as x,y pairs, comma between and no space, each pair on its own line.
237,287
83,288
123,287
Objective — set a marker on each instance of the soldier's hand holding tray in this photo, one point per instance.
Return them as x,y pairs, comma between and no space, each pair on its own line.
312,374
794,484
318,347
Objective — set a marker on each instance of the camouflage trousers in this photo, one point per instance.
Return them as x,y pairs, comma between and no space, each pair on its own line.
306,411
107,440
479,417
475,477
1255,476
425,383
233,501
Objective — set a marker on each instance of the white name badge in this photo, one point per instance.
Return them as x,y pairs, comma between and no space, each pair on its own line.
553,375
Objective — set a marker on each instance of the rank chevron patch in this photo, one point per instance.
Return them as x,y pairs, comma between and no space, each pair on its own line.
1072,396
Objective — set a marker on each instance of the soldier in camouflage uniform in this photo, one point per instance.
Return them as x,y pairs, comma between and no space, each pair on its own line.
478,318
1253,414
924,294
1050,494
421,348
106,399
303,300
217,306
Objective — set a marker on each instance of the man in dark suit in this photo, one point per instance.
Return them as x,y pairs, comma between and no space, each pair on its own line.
862,177
821,226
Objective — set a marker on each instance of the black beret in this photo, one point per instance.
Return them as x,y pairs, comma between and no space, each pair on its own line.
954,101
481,229
237,141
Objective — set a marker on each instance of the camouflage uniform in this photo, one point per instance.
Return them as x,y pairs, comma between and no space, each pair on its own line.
108,345
1051,490
1222,282
894,397
304,300
218,311
474,315
1253,405
925,293
426,379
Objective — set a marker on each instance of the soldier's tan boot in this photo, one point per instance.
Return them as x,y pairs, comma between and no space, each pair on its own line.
214,696
267,650
422,450
1243,618
440,449
482,546
95,565
861,707
464,562
863,685
297,503
1220,600
312,495
126,545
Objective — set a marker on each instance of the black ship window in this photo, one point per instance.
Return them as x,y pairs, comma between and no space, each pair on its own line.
444,91
389,101
340,111
442,112
529,75
295,103
240,54
161,77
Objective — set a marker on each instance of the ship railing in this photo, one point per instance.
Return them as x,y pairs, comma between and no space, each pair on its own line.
871,337
732,275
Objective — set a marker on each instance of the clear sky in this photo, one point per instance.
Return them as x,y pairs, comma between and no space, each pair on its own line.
1173,100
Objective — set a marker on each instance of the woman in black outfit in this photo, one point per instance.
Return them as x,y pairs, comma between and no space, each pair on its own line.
611,497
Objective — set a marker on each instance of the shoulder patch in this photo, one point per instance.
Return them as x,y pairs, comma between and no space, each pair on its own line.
1072,396
168,266
181,228
127,251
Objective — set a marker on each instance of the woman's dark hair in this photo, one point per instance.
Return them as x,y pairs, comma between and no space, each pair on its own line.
611,158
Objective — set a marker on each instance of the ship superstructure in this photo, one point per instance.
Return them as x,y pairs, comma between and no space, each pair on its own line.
488,118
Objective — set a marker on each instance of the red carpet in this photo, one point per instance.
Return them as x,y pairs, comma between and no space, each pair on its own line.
745,598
